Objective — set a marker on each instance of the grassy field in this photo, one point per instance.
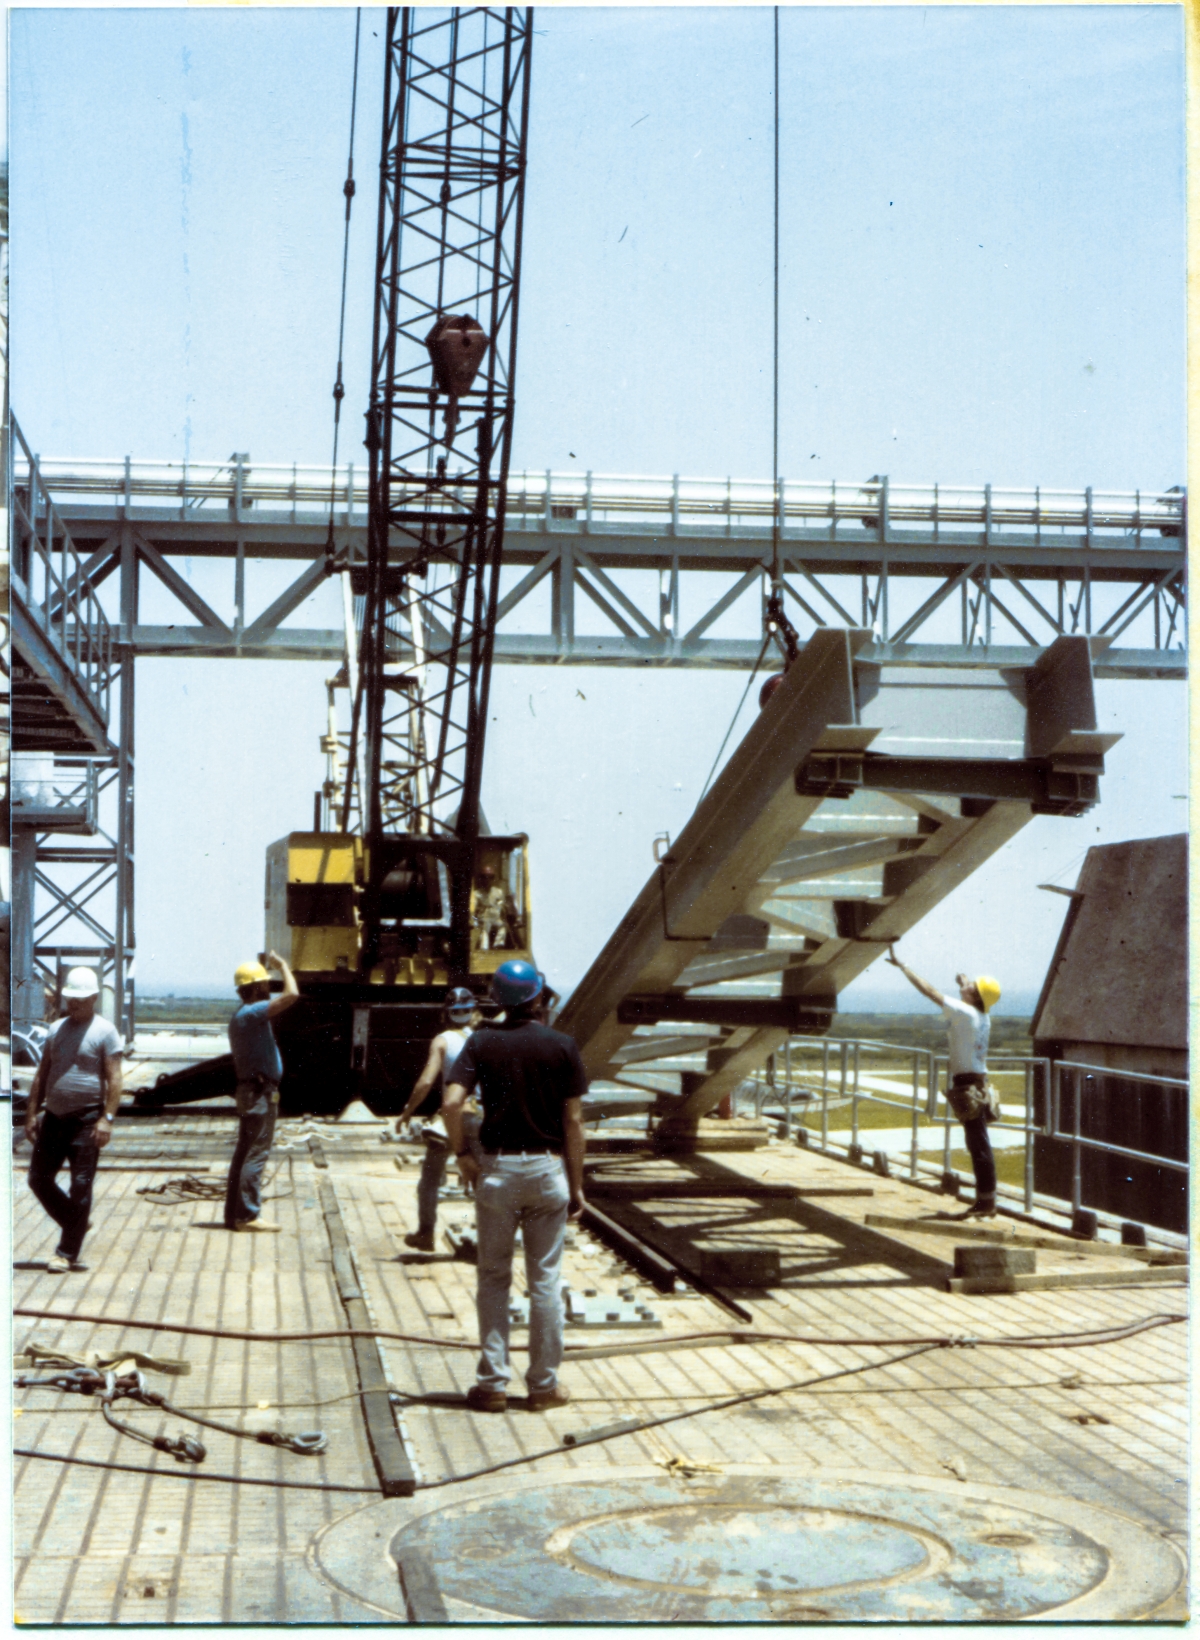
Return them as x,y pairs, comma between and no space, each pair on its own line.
1010,1033
152,1011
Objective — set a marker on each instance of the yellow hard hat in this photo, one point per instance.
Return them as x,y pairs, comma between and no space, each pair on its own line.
989,991
250,973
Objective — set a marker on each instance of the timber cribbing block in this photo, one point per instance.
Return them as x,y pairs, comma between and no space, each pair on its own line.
1063,1278
396,1477
990,1260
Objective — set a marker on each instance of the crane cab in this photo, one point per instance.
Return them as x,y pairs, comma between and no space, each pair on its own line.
314,892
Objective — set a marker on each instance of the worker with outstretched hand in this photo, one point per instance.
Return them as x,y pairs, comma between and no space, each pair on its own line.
531,1084
460,1015
969,1097
259,1068
77,1089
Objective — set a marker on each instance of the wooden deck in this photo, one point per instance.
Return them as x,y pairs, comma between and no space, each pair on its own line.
1104,1425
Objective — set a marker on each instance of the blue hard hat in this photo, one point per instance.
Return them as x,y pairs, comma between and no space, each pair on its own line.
516,982
460,1003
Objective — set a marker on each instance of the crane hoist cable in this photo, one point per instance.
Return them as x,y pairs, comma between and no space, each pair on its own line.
777,627
776,500
339,390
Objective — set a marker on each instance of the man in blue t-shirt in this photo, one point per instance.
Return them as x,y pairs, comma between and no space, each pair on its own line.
257,1061
531,1084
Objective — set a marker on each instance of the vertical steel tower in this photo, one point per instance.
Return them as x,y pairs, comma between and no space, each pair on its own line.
439,432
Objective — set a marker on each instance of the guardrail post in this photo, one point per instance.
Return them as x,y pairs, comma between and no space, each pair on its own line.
787,1089
916,1112
675,505
587,520
1077,1148
854,1103
547,509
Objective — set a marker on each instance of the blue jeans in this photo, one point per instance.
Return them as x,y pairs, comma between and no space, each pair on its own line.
530,1191
979,1145
433,1171
70,1139
258,1106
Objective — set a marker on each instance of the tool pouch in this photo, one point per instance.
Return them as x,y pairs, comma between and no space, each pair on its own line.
969,1100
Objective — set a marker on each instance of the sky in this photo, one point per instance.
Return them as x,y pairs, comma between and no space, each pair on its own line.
982,262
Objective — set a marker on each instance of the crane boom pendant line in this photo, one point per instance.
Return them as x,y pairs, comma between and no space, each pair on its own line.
775,341
439,433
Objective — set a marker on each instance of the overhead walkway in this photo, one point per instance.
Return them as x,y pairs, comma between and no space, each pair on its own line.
859,799
63,648
619,570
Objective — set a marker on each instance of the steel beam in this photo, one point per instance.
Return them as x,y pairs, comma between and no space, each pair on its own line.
813,851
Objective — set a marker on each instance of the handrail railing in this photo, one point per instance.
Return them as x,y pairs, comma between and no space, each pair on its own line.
847,1076
549,500
48,578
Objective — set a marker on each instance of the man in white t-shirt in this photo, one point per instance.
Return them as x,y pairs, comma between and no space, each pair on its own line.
77,1089
968,1029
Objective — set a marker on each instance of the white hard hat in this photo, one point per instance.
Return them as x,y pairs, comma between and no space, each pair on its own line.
81,982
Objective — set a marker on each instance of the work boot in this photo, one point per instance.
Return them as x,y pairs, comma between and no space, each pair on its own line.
542,1400
261,1225
422,1240
59,1264
984,1208
482,1399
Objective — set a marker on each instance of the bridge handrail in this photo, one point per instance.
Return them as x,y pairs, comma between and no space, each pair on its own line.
48,576
873,504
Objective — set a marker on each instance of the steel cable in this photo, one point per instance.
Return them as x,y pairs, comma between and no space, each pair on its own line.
339,391
132,1386
724,1335
1035,1341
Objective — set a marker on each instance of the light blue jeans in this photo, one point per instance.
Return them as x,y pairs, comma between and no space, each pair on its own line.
433,1171
530,1191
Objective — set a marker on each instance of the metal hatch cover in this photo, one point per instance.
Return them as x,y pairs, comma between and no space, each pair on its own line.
752,1544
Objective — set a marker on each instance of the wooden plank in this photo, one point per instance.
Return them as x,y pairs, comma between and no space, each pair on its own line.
395,1473
1002,1231
646,1231
419,1585
1063,1278
662,1272
705,1189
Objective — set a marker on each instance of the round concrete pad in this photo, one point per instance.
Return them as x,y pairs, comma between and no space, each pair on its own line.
751,1544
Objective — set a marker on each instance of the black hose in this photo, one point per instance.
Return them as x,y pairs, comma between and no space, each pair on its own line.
1031,1341
192,1474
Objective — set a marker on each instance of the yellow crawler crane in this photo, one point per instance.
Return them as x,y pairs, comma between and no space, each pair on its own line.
366,1030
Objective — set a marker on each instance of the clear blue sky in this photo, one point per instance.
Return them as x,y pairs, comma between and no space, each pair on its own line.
982,246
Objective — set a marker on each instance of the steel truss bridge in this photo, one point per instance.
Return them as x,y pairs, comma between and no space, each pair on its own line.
599,570
640,571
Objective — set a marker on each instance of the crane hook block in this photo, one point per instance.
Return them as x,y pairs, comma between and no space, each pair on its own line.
457,344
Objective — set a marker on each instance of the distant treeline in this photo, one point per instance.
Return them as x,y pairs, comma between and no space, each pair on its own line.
1009,1034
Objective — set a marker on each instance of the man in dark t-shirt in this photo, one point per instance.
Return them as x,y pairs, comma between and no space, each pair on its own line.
531,1085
